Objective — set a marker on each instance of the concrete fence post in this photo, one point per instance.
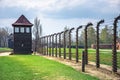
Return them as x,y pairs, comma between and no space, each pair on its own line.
97,44
70,54
65,44
86,44
77,56
114,54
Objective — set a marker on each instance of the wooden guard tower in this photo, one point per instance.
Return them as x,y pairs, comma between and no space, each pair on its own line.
22,36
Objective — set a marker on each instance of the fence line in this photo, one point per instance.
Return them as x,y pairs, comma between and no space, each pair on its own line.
97,46
49,42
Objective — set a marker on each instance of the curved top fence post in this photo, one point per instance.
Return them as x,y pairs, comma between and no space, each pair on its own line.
86,45
60,43
97,46
70,42
65,44
77,43
114,55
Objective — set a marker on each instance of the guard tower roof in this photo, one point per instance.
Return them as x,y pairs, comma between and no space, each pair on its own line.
22,21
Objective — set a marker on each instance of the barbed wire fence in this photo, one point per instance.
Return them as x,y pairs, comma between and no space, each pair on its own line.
51,45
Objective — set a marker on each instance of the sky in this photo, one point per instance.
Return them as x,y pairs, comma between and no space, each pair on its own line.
56,14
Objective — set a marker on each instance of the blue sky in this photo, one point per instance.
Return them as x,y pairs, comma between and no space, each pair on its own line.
56,14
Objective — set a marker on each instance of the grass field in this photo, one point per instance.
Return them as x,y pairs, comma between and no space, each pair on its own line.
31,67
105,55
5,50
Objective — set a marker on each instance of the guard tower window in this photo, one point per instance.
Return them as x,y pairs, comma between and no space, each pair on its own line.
16,29
22,30
27,30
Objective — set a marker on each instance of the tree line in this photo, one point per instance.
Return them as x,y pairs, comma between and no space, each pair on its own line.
105,36
4,35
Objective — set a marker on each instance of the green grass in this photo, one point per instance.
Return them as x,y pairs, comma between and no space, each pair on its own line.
5,50
105,55
30,67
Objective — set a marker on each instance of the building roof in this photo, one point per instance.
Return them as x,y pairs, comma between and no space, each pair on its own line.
22,21
118,40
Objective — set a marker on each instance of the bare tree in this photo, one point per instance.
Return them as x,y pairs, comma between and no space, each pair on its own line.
3,37
67,36
9,30
37,32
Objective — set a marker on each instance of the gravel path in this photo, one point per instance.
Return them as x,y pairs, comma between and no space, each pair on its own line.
5,54
103,73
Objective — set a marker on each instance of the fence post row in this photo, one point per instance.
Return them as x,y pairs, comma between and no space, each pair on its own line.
56,46
47,44
52,44
60,43
70,54
77,43
65,44
97,44
86,45
42,44
114,55
83,61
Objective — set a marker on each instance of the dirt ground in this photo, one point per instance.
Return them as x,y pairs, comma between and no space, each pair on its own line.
103,73
5,54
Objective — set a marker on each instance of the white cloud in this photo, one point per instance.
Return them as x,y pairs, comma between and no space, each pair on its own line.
110,6
6,22
61,4
56,25
56,5
114,3
41,4
51,26
27,4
